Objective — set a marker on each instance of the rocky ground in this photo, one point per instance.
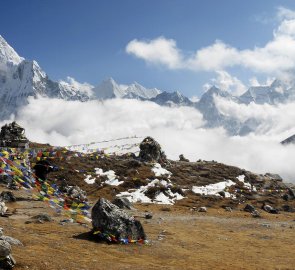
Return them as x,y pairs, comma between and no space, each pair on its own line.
223,237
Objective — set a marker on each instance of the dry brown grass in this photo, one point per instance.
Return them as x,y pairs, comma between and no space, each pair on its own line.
190,240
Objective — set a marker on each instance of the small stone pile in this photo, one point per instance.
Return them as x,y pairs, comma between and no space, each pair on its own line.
13,135
150,151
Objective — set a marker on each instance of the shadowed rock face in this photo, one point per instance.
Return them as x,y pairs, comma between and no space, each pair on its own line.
289,140
109,218
150,151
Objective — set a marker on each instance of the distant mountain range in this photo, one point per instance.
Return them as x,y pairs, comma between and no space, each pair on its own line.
20,79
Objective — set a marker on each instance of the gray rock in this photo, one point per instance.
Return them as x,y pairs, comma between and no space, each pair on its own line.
11,240
150,151
5,248
7,196
202,209
255,214
291,189
109,218
76,193
3,208
249,208
269,209
288,208
43,217
182,158
274,177
148,216
123,203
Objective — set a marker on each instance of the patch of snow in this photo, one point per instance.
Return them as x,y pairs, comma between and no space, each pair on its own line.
138,195
247,185
214,189
159,171
89,180
112,180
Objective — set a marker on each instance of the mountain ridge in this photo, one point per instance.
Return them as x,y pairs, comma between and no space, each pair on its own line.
21,78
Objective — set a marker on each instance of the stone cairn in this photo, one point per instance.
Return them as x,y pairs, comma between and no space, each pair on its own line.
150,151
13,135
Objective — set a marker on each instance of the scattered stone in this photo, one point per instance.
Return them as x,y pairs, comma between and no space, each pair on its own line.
150,151
291,189
249,208
256,214
269,209
274,177
228,209
222,194
75,193
182,158
42,218
202,209
166,209
65,221
123,203
3,208
109,218
148,216
7,196
266,225
288,208
286,197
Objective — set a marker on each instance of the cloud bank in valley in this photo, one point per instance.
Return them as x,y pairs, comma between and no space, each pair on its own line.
178,130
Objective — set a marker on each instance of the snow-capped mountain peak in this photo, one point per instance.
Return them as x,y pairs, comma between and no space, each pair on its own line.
270,94
108,89
136,90
8,55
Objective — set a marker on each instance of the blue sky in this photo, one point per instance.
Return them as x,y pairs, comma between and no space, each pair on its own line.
87,39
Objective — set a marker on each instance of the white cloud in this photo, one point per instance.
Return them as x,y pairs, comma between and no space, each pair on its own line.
227,82
160,51
275,58
179,130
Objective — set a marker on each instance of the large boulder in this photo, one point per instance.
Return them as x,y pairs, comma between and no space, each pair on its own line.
150,151
108,218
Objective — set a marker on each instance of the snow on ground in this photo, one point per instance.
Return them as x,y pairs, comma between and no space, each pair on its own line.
159,171
118,146
214,189
112,180
138,195
89,180
247,185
